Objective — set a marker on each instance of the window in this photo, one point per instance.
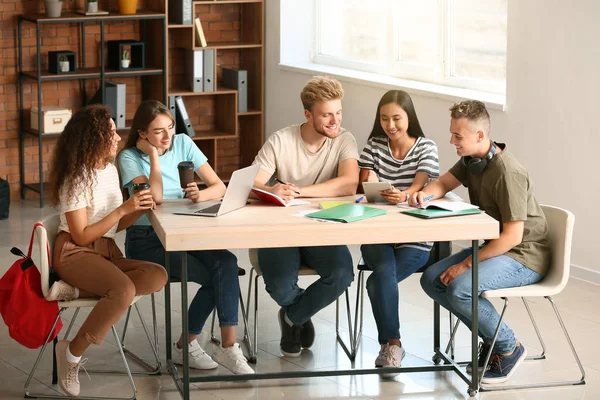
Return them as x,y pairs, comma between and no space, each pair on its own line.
458,43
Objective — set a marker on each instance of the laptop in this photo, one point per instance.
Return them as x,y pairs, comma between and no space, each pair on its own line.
235,197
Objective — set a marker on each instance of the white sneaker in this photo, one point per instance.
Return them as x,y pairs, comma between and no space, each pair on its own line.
233,359
395,354
382,357
61,291
198,359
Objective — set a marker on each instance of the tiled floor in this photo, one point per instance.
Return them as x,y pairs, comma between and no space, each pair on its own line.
578,304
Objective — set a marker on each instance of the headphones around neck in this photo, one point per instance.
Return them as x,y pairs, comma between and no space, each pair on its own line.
477,165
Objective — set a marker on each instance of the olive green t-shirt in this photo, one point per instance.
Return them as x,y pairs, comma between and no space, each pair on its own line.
505,192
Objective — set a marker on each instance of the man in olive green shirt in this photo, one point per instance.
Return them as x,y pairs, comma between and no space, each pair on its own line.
501,187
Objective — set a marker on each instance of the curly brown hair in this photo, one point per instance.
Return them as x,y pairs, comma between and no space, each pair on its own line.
84,144
473,110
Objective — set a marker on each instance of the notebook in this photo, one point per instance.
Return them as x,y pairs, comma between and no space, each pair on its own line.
324,205
430,213
348,212
269,197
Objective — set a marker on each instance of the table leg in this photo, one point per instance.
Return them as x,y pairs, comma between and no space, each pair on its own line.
475,323
184,326
168,310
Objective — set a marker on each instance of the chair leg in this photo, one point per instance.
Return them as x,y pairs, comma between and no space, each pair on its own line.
213,338
453,330
251,358
254,350
350,352
151,369
71,323
39,357
489,354
116,335
542,355
581,381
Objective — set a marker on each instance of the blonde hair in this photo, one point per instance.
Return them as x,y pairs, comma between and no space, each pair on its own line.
320,88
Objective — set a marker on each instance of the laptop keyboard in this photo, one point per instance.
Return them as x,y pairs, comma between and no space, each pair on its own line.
209,210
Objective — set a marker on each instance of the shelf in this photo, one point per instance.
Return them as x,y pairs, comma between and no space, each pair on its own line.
125,131
230,45
36,133
67,17
213,2
250,112
186,92
35,186
212,134
180,26
91,73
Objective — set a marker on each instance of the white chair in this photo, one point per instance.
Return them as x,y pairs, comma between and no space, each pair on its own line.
304,271
46,235
560,227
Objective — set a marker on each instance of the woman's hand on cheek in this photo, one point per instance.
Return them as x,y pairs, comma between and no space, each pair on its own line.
145,146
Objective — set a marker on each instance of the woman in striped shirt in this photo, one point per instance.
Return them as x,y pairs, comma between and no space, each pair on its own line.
396,152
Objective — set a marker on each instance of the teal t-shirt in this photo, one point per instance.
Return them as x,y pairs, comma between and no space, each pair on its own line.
134,163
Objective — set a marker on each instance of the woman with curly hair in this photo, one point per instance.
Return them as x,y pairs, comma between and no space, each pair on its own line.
85,186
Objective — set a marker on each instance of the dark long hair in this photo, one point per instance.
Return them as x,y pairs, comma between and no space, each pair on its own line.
144,115
83,145
403,99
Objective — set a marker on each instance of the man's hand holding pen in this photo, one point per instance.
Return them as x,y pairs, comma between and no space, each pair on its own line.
287,191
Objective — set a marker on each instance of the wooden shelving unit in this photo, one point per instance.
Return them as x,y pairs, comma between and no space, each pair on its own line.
152,30
235,30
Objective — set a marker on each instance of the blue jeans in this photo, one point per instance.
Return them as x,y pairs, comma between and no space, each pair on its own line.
495,273
390,266
280,268
215,270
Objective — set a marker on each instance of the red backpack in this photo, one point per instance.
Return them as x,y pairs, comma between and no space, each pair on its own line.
28,315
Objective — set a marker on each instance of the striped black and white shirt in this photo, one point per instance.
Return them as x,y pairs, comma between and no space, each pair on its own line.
422,157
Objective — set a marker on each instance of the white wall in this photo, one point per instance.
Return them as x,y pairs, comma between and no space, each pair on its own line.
553,108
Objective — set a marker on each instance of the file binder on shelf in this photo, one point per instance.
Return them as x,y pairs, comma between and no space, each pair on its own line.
200,38
194,65
182,120
180,12
237,79
208,70
114,99
172,105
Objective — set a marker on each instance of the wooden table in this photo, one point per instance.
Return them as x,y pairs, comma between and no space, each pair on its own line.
260,225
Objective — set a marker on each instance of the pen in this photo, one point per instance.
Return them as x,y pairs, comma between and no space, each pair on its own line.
359,199
283,183
425,199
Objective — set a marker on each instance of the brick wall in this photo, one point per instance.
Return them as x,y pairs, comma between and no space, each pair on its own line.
63,93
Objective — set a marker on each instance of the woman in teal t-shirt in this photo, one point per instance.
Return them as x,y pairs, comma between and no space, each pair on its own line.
151,154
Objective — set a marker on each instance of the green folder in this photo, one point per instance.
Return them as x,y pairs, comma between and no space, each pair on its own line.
349,212
430,213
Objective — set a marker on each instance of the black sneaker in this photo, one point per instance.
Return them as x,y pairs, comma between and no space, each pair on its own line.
290,337
502,367
307,335
484,349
